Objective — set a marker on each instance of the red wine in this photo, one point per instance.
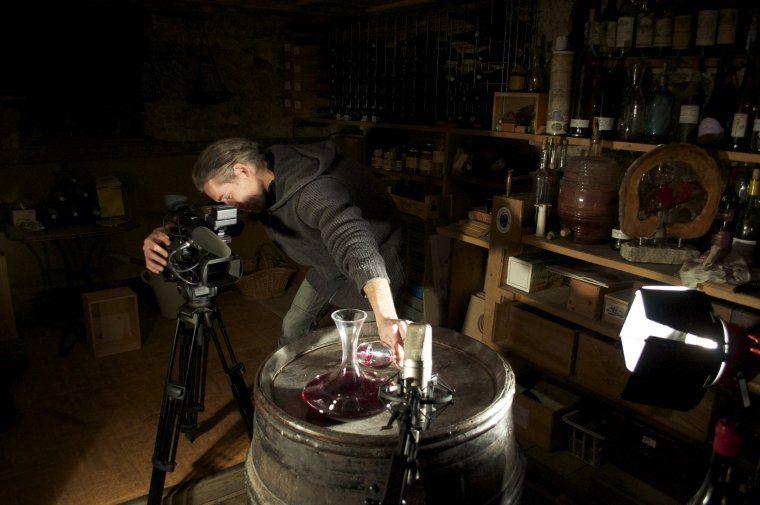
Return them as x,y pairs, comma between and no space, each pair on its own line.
345,394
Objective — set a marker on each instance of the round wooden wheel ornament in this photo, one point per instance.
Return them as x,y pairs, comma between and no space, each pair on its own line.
706,173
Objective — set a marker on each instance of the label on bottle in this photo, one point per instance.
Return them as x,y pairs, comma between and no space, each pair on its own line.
689,114
756,125
606,123
579,123
663,32
682,32
516,82
739,125
727,26
645,30
707,24
610,34
624,38
710,128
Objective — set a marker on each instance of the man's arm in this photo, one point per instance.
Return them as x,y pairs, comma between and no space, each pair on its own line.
391,330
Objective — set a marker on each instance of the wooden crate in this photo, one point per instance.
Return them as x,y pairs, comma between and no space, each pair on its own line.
112,321
506,105
538,415
541,339
429,209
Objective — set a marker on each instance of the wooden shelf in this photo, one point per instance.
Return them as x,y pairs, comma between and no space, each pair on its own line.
478,181
427,179
554,301
617,145
602,255
455,232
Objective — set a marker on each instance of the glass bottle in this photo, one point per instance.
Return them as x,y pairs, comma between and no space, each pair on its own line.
688,116
542,189
347,392
748,106
609,19
663,29
745,234
536,74
585,75
659,112
714,116
718,488
606,101
707,26
631,120
625,28
723,224
727,20
644,29
682,30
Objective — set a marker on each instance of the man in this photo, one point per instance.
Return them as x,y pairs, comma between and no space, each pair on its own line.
325,212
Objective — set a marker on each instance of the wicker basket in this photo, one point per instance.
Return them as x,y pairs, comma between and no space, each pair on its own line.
267,275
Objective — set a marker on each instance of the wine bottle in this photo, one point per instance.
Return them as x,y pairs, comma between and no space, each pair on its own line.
707,26
713,122
644,29
688,116
585,78
659,112
718,487
624,41
632,111
609,19
723,224
606,99
682,30
745,235
663,29
748,106
727,20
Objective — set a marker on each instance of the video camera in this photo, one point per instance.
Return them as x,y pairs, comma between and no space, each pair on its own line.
199,259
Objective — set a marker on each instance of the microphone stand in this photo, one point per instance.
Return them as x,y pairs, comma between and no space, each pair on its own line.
414,411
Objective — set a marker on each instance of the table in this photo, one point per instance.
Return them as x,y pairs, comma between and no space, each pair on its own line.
79,246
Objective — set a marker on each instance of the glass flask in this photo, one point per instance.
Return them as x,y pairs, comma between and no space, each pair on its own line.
631,121
375,355
347,392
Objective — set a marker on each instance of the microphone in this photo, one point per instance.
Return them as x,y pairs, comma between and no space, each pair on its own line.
418,357
210,241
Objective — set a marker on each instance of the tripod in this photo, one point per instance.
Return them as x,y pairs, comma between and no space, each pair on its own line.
199,322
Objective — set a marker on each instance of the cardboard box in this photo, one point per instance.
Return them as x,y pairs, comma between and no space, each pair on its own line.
112,321
523,112
537,414
529,273
587,299
473,321
616,305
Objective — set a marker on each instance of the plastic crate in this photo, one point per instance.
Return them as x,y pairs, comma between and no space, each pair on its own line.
583,442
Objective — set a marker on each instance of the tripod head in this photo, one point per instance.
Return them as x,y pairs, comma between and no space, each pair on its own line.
200,261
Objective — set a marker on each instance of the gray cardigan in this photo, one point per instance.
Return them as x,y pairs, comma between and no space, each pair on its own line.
333,215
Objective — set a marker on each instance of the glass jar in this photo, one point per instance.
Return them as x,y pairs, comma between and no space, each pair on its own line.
426,160
412,161
587,196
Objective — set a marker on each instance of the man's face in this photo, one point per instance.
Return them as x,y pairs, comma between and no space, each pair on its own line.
244,190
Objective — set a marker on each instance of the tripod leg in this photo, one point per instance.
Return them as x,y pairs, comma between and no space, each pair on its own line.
234,371
172,409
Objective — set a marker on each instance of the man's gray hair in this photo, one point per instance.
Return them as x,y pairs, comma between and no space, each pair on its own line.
217,160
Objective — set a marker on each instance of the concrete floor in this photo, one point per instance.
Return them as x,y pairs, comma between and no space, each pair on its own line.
86,426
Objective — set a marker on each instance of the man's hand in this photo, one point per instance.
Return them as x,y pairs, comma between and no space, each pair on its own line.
393,333
154,252
392,330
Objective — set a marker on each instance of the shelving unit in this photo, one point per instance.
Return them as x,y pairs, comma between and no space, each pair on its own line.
616,145
604,256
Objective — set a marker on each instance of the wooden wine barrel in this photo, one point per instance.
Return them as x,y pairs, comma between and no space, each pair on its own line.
468,454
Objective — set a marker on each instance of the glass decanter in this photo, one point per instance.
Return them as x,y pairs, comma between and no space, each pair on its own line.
347,392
